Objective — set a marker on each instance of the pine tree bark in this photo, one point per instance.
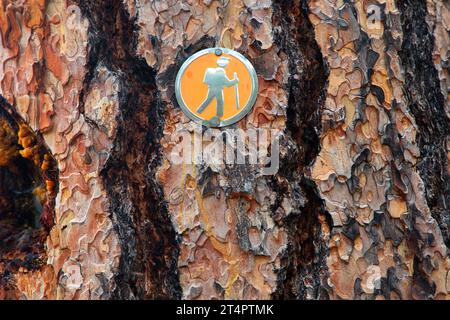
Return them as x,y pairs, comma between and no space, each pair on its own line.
88,115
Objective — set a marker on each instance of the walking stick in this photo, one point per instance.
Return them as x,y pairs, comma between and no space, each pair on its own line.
236,91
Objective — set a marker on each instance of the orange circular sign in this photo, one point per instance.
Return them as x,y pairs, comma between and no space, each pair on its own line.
216,87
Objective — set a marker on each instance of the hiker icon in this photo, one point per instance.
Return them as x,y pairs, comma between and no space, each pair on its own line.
208,90
216,79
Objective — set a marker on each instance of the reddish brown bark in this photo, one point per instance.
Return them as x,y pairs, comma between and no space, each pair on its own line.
357,210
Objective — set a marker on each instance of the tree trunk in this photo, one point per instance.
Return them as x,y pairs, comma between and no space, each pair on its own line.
357,210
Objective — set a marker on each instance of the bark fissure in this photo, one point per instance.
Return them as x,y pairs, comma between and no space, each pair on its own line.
366,169
305,266
426,102
149,250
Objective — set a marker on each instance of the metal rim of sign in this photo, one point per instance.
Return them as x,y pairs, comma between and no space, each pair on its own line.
244,110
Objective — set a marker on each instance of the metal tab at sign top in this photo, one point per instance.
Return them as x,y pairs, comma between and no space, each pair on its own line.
216,87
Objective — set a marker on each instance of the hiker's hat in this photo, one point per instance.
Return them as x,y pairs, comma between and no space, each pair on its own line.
223,61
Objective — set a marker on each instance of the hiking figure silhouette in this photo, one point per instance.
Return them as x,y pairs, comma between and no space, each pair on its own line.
216,79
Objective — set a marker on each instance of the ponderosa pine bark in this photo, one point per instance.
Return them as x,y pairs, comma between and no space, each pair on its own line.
88,118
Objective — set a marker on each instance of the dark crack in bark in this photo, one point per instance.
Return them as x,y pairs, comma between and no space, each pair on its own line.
304,274
149,249
426,102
